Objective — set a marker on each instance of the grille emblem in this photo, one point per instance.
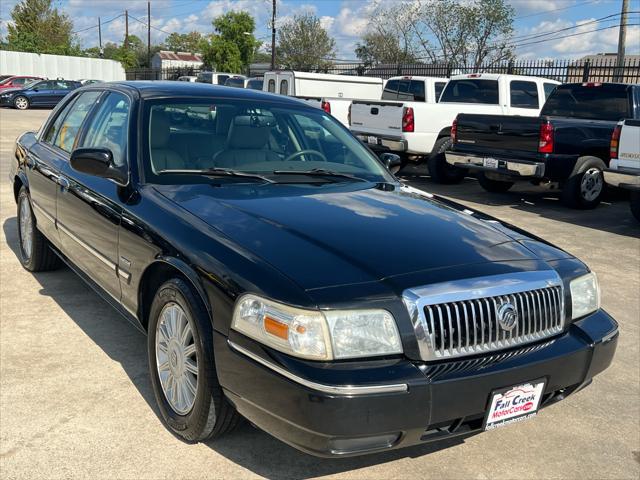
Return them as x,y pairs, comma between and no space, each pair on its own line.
507,316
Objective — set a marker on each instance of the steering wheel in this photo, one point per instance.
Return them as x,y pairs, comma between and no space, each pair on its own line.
306,152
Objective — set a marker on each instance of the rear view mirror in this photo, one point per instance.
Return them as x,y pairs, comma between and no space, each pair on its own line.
392,161
97,162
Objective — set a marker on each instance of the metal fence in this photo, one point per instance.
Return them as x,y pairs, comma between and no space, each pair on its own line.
598,70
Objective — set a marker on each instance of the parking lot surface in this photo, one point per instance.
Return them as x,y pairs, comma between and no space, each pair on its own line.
76,399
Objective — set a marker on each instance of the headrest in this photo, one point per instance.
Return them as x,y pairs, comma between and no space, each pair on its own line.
159,129
224,115
248,132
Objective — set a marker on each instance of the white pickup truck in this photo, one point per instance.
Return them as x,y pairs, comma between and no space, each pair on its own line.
420,129
624,167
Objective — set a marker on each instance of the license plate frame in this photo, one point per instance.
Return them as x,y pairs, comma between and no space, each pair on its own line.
489,162
514,404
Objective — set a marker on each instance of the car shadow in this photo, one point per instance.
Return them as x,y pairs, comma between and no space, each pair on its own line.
246,446
612,215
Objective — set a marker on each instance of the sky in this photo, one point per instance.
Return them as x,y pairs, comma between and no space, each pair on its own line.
346,20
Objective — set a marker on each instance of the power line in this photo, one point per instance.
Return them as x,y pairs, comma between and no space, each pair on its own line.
147,25
96,26
556,10
573,35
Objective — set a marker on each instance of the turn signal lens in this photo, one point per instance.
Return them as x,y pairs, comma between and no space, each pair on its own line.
545,144
276,328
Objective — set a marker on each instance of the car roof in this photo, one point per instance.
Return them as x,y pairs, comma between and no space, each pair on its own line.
157,89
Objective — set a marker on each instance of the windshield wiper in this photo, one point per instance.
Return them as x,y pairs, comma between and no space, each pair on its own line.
216,172
319,172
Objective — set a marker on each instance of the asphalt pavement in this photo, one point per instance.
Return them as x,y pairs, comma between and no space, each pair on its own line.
76,400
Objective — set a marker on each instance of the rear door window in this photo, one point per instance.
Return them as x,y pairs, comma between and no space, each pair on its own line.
590,101
52,132
523,94
439,88
471,91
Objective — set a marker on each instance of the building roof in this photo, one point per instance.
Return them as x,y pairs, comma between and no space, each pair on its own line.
180,56
609,57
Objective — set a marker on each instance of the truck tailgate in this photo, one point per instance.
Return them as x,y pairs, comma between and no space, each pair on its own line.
498,132
377,117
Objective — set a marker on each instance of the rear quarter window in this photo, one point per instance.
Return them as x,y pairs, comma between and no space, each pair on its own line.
599,102
471,91
523,94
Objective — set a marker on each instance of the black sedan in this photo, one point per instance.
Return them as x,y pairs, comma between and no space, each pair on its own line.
284,275
43,93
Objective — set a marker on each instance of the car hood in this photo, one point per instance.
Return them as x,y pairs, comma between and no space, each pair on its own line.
341,234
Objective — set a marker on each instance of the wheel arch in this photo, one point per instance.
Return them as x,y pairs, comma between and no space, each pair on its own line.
158,272
20,180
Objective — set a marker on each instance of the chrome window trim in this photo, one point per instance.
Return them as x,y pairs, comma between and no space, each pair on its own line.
349,390
417,298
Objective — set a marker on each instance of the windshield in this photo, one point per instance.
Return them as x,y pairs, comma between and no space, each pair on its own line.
281,143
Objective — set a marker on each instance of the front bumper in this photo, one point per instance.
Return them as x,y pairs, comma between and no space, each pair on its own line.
6,101
394,144
623,179
510,167
351,408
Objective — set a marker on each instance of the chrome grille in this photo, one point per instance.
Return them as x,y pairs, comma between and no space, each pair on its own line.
455,319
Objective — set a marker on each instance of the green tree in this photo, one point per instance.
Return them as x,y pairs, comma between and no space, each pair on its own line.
223,55
39,27
238,28
303,44
192,42
382,47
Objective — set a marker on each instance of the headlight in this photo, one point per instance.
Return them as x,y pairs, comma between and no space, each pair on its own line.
314,334
585,295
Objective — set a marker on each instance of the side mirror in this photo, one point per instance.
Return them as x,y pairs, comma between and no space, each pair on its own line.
392,161
36,89
97,162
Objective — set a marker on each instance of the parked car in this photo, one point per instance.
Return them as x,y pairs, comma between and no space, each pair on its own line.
568,144
421,130
332,93
16,81
624,167
188,78
255,83
283,276
44,93
397,89
237,81
215,78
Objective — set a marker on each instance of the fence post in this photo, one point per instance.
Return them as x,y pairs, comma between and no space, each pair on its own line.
510,67
586,70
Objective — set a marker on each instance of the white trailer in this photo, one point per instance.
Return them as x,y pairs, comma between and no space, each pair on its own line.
59,66
318,85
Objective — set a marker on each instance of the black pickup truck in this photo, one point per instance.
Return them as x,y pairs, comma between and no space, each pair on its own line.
567,144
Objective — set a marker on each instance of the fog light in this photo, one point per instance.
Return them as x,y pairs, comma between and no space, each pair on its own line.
354,445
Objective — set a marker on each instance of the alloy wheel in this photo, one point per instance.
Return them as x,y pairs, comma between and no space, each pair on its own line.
591,184
21,103
26,228
176,358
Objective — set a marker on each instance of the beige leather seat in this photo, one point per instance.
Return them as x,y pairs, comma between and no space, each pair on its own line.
247,143
163,157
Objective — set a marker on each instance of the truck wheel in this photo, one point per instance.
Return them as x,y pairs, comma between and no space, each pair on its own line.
634,203
35,253
21,103
494,186
439,169
182,365
585,186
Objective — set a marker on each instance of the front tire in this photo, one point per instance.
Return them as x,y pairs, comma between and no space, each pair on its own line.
584,188
21,102
439,169
493,186
634,204
35,252
182,365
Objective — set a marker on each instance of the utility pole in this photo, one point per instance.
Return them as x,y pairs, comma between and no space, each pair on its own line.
149,34
622,40
126,29
273,36
100,51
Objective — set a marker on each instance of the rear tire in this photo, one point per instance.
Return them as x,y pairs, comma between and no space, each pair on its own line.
195,413
584,188
21,102
35,251
439,169
634,204
494,186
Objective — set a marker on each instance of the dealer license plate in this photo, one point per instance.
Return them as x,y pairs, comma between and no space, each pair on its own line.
490,162
514,404
372,140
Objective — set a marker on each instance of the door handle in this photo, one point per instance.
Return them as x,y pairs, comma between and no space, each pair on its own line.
63,182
